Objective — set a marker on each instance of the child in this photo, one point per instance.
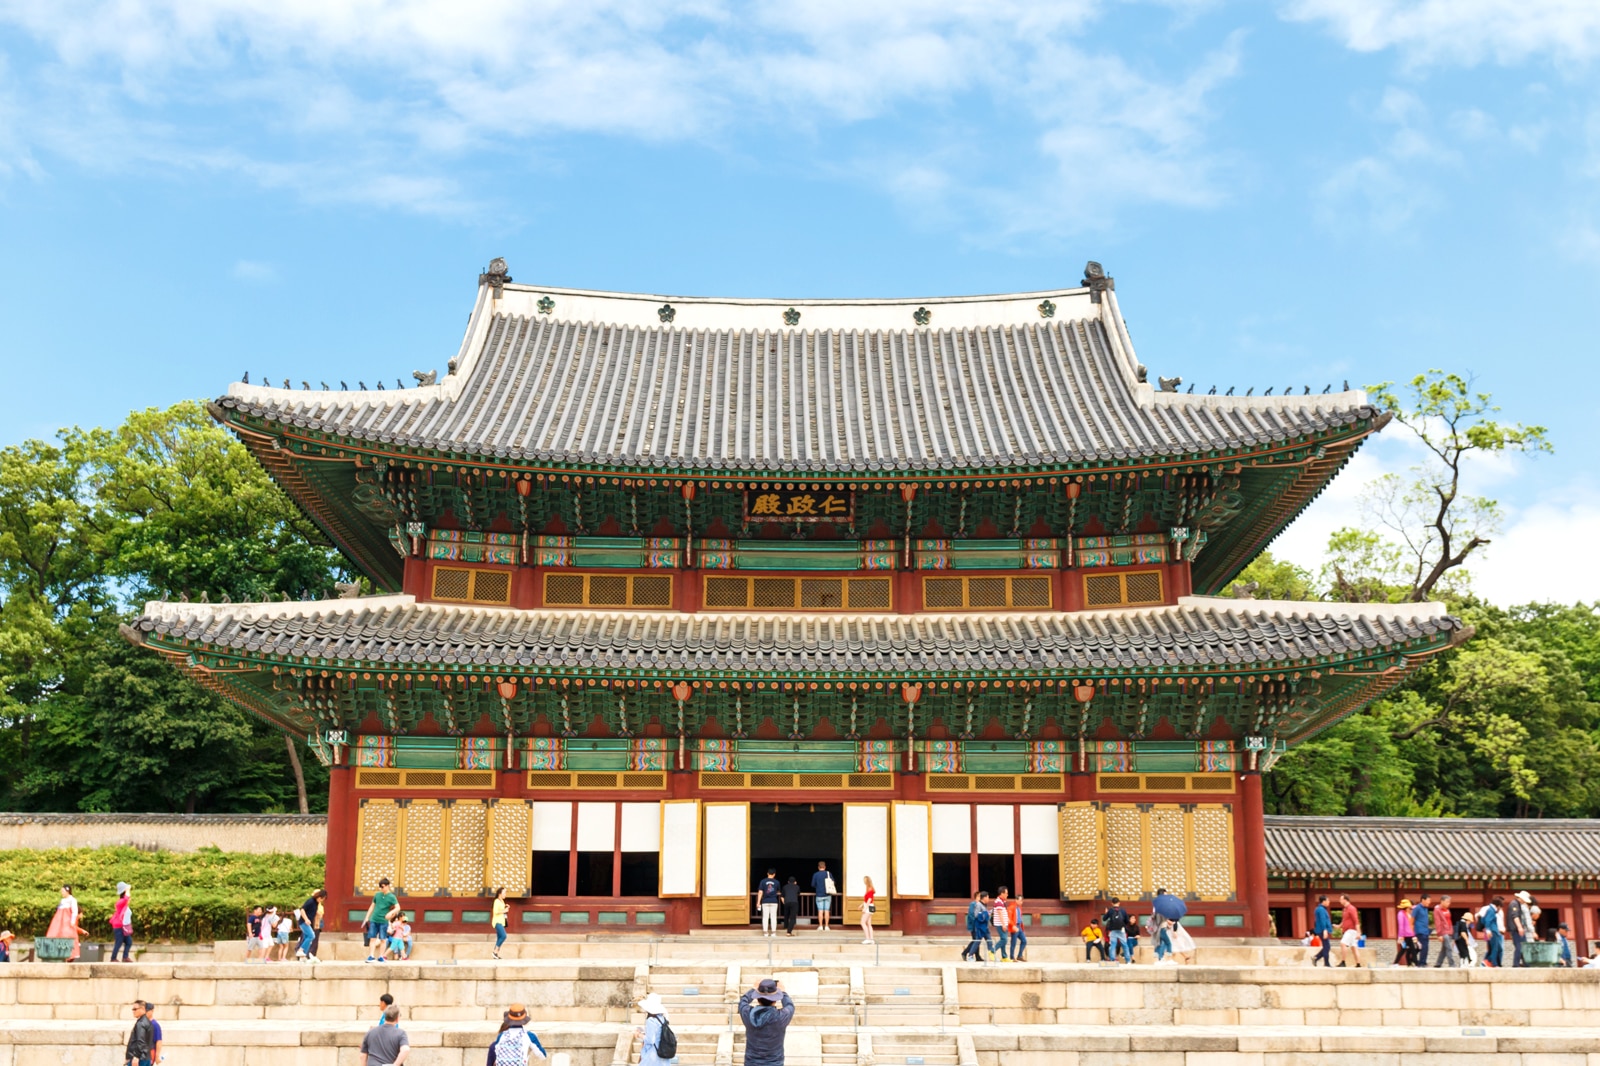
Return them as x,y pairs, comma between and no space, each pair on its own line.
400,937
1564,946
5,945
1094,939
252,931
281,951
269,932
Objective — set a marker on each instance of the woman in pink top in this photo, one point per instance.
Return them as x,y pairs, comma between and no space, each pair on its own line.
122,923
1405,945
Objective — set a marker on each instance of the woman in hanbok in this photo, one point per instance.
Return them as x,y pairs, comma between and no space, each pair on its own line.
64,924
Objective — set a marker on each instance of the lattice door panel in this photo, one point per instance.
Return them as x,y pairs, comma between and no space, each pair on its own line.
469,838
511,846
1212,841
1125,861
1169,857
377,844
1082,851
424,849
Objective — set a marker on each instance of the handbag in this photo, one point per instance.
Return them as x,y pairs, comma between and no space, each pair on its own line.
872,908
828,886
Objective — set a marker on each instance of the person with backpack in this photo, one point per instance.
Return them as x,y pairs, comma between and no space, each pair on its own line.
791,905
514,1045
766,1011
658,1043
977,927
822,884
1115,922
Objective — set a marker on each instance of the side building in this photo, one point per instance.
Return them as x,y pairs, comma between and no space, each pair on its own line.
674,591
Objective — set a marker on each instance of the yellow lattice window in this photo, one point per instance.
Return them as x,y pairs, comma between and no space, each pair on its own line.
1168,855
465,585
1137,588
1125,843
424,850
802,593
511,846
566,589
377,844
996,593
1211,838
1081,850
469,832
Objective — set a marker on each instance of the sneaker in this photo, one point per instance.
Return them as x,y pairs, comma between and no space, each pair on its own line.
866,941
370,959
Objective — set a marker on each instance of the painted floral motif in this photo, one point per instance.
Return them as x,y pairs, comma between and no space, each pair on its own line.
1047,309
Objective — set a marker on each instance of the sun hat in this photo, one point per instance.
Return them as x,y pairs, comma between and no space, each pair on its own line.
767,992
122,886
1405,903
517,1013
651,1004
1524,897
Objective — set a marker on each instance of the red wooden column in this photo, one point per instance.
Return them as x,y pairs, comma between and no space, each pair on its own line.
1253,855
339,876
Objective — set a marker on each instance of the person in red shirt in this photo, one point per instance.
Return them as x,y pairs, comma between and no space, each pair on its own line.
867,908
1444,929
1349,933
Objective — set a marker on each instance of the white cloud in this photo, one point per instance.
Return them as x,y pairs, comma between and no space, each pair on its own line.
1538,558
254,270
372,100
1465,32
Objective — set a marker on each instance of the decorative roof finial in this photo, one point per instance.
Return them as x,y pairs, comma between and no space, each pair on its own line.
1169,384
1096,280
496,275
425,377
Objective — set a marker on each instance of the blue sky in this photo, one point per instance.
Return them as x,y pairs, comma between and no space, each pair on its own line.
1303,191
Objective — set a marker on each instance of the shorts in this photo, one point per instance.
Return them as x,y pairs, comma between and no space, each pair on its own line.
1350,938
397,945
378,931
824,904
283,935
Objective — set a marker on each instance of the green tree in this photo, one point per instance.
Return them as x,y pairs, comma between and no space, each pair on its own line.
1278,579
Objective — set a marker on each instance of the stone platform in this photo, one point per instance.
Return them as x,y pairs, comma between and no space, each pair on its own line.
857,1007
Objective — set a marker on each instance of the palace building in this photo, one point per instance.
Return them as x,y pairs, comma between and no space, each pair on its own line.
674,590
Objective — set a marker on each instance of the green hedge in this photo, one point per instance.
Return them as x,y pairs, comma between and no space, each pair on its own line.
187,896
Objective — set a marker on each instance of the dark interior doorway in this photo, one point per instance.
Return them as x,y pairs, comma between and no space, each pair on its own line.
792,838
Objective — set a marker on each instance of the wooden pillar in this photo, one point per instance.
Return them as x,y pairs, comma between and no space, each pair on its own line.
339,876
616,851
1253,855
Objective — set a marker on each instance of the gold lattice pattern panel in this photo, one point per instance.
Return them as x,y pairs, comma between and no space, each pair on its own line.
424,848
1124,852
1213,852
469,837
1080,851
1168,856
379,854
511,846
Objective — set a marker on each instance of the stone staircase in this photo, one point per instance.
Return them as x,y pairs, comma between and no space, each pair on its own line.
850,1012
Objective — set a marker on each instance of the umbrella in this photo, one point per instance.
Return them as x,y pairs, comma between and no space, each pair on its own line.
1169,906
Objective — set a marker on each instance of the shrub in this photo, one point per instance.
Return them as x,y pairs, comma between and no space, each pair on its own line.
189,896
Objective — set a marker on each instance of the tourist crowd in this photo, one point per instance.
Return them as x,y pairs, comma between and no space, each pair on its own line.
1450,936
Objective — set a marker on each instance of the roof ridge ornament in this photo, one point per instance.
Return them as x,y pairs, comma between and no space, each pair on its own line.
791,317
666,313
1047,308
496,276
1097,281
922,316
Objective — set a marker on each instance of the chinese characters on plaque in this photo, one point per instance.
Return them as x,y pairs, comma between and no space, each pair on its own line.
796,505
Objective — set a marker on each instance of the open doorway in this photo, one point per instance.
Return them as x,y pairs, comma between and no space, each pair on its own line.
792,838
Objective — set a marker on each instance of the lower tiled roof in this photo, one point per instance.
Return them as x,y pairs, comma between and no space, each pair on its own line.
1433,848
1197,633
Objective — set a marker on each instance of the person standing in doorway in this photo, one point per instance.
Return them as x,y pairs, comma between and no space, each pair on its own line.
769,894
868,908
1349,933
383,907
1115,922
1322,929
141,1040
497,917
822,884
122,923
1444,928
1421,917
386,1044
791,905
766,1011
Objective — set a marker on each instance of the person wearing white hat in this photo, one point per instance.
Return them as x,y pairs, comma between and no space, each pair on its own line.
655,1023
1521,921
122,923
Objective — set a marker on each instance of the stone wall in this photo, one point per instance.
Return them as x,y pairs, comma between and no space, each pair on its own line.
292,833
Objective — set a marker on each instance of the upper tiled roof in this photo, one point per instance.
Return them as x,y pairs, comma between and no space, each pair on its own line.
854,386
1433,848
1199,632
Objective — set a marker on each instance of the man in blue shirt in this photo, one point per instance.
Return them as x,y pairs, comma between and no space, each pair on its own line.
1322,927
819,885
155,1033
1420,915
768,894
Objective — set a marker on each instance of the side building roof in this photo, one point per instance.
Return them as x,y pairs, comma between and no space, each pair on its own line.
1412,849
